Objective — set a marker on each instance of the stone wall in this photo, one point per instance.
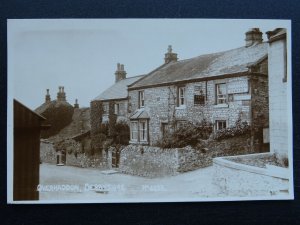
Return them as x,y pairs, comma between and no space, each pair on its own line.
47,152
240,180
83,160
148,161
48,155
151,161
260,110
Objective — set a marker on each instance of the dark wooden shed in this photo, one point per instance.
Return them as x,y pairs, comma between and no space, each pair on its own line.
27,127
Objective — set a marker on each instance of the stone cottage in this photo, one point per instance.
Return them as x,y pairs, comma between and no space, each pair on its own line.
220,87
114,98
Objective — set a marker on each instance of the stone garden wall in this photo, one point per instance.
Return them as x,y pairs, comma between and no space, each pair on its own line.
48,155
85,161
151,161
47,152
148,161
236,179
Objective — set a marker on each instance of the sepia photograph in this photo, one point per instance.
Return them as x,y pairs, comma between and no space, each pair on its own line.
149,110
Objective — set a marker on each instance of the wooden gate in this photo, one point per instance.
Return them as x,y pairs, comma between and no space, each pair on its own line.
115,157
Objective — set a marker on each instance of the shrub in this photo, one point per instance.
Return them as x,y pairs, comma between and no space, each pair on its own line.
239,129
122,133
188,134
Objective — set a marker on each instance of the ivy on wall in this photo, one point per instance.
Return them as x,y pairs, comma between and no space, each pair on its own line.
58,116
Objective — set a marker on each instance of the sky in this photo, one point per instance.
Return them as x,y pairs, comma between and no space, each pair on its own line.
82,54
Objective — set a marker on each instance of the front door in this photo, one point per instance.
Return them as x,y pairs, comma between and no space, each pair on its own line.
115,156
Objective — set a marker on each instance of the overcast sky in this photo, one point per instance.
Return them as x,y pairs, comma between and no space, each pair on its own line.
81,55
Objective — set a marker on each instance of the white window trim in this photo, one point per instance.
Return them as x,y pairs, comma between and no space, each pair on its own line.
141,131
141,99
105,108
180,97
225,95
220,120
117,108
131,130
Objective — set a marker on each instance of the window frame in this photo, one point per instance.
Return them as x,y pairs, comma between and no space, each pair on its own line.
141,99
217,124
105,108
132,130
143,131
117,108
180,97
221,94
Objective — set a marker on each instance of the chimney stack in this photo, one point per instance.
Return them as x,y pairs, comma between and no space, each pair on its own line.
76,105
47,98
170,56
61,95
120,73
253,37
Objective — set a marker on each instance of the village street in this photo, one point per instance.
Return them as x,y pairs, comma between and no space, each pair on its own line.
88,184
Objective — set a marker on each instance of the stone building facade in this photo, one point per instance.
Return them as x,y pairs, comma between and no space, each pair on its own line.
115,99
220,87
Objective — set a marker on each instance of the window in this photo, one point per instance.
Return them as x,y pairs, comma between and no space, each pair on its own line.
105,108
139,131
141,99
220,124
117,108
180,124
199,99
134,131
181,96
143,130
221,95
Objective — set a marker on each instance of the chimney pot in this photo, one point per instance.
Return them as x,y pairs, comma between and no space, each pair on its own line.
76,105
170,56
47,97
120,74
253,36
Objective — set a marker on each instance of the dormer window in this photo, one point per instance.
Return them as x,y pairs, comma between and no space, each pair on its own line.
141,99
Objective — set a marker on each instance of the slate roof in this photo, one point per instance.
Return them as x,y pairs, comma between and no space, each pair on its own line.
140,114
210,65
118,90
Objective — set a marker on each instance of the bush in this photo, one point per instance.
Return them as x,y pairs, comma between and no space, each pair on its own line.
188,134
122,133
240,128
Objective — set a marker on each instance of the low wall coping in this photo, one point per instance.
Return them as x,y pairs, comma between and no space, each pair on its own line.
273,171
